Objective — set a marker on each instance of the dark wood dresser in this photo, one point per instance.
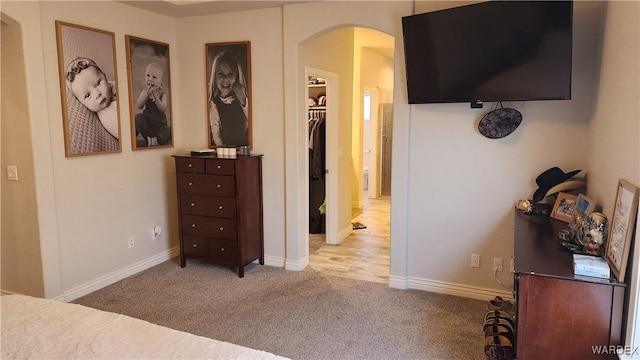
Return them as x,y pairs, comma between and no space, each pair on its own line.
560,315
220,209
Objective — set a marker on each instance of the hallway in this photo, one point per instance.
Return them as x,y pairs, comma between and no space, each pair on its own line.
363,255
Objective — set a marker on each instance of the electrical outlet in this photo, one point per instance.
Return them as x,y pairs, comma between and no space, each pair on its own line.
497,264
131,242
156,232
475,260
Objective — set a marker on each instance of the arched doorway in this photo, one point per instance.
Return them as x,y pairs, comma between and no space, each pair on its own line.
363,60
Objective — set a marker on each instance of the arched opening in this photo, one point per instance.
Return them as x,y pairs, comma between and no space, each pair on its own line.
363,64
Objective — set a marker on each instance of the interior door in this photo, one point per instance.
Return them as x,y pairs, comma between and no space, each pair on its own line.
386,122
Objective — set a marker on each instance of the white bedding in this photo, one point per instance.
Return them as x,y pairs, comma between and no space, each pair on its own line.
34,328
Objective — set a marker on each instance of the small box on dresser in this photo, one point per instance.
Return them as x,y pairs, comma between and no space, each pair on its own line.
220,209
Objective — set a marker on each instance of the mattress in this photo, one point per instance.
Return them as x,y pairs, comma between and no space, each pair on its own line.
35,328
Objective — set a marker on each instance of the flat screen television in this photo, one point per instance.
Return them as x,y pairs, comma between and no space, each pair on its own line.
490,51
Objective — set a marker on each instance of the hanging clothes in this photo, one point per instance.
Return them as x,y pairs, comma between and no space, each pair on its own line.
317,161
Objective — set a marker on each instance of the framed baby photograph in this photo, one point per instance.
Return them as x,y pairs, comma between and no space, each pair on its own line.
228,74
564,207
149,76
88,90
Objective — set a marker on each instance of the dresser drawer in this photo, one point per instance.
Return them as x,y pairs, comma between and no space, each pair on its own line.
224,207
209,226
216,249
189,165
216,185
220,167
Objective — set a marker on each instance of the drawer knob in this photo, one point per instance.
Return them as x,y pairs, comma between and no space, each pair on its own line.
193,225
219,167
220,207
193,204
190,183
221,228
195,245
218,186
222,249
190,165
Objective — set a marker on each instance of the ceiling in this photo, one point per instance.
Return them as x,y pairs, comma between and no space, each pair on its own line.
183,8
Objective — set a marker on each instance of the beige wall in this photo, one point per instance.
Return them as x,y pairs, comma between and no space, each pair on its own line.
614,129
376,73
21,268
453,190
320,53
263,28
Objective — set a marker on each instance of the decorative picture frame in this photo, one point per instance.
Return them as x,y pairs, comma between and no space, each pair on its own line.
229,110
621,228
585,205
88,90
564,207
150,105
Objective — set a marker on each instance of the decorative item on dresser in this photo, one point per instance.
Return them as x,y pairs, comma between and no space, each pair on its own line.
220,209
560,315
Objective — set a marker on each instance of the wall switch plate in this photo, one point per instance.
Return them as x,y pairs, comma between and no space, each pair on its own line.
12,173
475,260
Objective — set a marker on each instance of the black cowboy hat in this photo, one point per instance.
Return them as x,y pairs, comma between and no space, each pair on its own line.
549,179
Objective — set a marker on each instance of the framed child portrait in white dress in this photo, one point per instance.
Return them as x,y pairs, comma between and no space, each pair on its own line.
150,105
88,90
228,73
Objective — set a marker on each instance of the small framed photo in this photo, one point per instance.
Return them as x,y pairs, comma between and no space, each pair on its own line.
229,93
88,91
621,228
564,207
150,104
585,205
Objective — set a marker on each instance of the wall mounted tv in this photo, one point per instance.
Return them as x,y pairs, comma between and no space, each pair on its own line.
489,51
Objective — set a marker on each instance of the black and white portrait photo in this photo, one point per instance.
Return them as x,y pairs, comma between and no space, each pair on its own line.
229,94
87,69
150,93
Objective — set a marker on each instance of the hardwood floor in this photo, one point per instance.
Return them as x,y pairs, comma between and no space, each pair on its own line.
363,255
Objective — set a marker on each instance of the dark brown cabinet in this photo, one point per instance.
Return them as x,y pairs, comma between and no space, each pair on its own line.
560,315
220,209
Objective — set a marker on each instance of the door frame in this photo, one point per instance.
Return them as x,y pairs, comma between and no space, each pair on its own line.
331,153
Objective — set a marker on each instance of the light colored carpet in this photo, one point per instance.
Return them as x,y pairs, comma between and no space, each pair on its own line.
301,315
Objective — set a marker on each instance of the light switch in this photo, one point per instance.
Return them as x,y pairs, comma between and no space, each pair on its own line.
12,172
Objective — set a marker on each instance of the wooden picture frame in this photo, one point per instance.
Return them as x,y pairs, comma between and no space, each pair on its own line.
228,71
621,228
564,207
150,105
585,205
88,90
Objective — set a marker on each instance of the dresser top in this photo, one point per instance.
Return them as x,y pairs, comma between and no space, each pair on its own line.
537,249
215,156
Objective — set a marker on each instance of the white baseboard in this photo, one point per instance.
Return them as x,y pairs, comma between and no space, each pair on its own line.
297,265
441,287
344,233
118,275
273,261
